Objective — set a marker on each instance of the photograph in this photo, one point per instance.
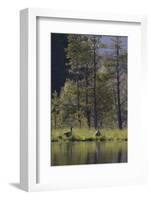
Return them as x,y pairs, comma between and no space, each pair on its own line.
88,102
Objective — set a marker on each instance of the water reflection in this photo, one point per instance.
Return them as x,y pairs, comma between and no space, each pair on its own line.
74,153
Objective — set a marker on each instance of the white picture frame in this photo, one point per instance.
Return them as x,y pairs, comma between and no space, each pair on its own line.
29,142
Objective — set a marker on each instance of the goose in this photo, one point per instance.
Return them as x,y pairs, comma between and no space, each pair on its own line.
68,133
98,132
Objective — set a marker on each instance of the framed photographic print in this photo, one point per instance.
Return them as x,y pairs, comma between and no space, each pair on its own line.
81,91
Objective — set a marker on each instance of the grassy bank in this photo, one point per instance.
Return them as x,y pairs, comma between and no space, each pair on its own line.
84,134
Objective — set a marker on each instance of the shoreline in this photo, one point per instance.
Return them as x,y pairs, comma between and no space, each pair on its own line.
91,140
88,135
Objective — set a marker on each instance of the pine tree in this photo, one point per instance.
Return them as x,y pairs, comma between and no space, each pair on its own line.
117,67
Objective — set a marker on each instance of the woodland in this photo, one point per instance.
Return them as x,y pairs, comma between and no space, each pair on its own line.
91,100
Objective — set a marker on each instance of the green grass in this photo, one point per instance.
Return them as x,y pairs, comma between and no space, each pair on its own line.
85,134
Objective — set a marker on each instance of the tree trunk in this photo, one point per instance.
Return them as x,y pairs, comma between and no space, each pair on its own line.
78,103
94,86
55,120
86,98
118,89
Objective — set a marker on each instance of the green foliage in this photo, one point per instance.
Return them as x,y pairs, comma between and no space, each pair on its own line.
55,109
89,95
85,134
